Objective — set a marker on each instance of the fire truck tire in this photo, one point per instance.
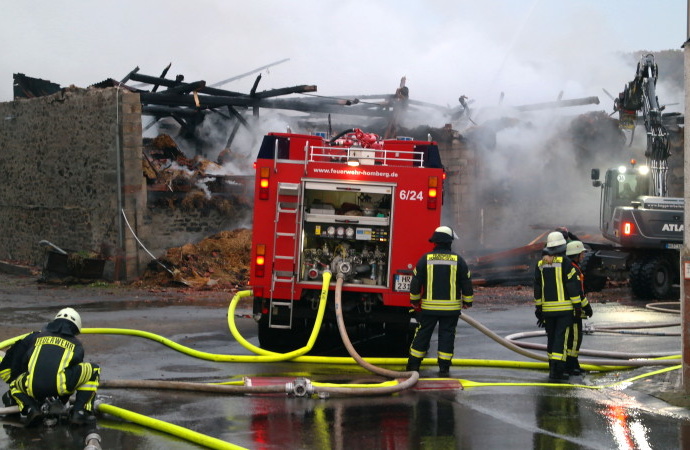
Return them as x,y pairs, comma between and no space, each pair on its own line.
590,265
651,278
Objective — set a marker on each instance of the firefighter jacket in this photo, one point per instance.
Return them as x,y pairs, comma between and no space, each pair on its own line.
586,308
442,282
556,285
44,356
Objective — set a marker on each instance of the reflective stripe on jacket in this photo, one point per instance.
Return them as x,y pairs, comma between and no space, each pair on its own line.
556,284
442,281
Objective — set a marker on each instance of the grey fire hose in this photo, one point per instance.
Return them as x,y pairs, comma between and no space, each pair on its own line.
600,362
412,376
597,353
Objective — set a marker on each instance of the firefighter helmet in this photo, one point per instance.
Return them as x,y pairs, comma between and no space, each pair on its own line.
443,234
574,248
555,243
71,315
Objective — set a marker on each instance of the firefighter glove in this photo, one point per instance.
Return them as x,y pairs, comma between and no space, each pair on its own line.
416,305
540,316
577,311
466,305
588,310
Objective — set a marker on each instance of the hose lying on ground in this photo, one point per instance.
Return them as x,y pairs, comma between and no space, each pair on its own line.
598,353
587,364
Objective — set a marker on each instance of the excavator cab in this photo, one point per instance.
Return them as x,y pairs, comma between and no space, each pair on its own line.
622,186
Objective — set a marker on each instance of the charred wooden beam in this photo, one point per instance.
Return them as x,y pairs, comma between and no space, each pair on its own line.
154,80
284,91
163,74
560,104
152,110
185,88
221,92
129,75
252,92
305,105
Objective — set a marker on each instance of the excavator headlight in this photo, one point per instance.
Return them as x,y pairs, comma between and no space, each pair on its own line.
622,169
643,170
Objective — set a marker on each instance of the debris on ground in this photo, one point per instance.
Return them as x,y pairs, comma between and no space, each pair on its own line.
219,262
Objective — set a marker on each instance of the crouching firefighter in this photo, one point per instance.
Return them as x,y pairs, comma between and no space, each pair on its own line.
440,288
557,301
49,364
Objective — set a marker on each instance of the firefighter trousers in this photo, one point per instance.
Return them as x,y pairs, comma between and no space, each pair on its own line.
575,338
446,336
558,326
31,389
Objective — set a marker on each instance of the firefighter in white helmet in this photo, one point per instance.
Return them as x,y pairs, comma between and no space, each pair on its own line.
48,364
575,250
441,287
557,300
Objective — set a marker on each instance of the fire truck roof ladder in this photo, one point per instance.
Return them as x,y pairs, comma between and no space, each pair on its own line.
285,237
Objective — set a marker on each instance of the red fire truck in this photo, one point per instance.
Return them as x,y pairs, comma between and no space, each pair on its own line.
353,204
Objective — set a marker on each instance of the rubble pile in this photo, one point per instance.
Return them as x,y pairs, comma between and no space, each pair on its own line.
174,180
219,262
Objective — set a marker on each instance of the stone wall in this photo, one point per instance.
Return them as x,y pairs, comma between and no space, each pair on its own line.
59,171
460,202
71,170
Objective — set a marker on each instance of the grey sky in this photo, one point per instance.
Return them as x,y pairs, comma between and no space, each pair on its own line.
530,49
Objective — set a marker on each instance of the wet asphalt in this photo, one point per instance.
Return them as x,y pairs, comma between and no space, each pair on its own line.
513,409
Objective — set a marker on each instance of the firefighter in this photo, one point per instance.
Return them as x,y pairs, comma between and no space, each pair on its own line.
575,250
49,364
557,299
441,287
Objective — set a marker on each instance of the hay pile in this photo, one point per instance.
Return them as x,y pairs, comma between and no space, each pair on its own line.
219,262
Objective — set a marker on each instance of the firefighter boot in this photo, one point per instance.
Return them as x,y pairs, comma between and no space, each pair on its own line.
443,368
413,364
31,410
577,370
569,365
557,372
81,415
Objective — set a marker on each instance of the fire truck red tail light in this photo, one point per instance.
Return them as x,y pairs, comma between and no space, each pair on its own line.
264,174
628,228
260,260
432,193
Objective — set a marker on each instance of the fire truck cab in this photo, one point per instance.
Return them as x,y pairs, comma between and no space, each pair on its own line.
355,205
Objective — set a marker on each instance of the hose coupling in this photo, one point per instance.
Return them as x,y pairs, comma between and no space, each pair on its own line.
301,387
93,441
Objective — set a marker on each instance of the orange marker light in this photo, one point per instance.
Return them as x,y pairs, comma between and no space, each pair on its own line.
628,229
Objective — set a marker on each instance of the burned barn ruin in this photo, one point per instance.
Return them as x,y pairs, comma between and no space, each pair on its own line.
126,169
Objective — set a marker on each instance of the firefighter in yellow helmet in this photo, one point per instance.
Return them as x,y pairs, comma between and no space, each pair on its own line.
50,364
557,300
575,250
441,287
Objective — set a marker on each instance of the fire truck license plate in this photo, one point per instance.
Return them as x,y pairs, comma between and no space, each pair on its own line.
402,283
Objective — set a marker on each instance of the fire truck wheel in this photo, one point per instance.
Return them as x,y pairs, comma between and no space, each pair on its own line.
651,278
